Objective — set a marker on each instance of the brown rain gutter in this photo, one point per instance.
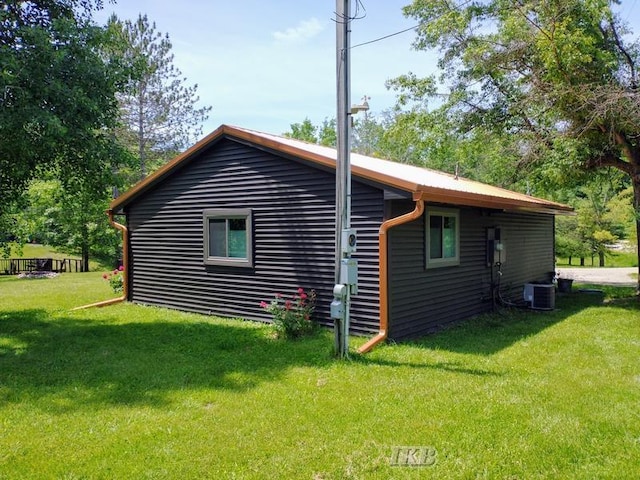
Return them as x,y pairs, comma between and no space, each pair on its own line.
125,262
384,272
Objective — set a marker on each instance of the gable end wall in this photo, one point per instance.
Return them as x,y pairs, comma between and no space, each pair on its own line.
293,207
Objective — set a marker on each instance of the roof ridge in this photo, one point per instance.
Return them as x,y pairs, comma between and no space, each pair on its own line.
422,182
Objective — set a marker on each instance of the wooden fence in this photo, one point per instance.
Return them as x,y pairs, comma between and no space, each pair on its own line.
14,266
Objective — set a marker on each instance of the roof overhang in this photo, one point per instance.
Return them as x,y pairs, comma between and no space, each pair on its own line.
423,184
434,195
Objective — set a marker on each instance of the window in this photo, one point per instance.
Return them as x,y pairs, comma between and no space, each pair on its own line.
227,237
443,238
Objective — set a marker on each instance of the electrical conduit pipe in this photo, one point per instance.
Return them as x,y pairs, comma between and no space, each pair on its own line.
125,262
384,272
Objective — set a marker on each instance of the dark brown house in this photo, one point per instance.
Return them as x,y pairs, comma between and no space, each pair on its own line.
242,215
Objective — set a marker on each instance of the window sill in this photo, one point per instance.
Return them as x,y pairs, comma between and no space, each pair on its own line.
226,262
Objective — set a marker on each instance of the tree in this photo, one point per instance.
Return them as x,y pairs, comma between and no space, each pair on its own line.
305,131
58,90
620,215
57,98
569,240
604,214
430,139
40,198
600,240
157,109
366,134
77,224
559,77
72,220
327,133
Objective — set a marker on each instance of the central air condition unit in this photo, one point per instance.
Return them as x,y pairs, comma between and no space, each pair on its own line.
540,296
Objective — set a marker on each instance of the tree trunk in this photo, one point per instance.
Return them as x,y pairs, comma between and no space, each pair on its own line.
141,132
85,258
85,248
635,180
582,261
601,258
569,260
143,166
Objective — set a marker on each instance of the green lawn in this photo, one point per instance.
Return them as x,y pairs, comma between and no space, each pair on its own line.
130,391
612,259
36,250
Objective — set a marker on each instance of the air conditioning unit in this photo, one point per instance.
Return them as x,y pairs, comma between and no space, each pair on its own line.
540,296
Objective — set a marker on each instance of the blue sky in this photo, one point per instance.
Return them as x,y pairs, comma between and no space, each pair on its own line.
265,64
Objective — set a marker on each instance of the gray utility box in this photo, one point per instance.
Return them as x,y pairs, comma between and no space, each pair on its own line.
540,296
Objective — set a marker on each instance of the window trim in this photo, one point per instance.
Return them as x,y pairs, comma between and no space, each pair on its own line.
441,262
227,214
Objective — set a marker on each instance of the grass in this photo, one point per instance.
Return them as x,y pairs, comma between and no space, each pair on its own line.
36,250
130,391
612,259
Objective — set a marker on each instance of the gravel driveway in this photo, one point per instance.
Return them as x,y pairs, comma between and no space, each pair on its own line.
600,276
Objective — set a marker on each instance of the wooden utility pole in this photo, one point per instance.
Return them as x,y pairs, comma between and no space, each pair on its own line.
342,291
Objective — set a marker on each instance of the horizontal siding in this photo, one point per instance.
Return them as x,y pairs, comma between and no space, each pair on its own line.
293,208
426,300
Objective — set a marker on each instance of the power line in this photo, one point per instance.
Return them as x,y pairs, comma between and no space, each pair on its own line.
457,7
358,15
386,36
630,11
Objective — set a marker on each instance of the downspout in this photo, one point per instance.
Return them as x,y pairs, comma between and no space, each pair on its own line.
384,272
125,262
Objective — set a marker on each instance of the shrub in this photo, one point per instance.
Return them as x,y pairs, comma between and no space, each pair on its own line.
115,279
292,315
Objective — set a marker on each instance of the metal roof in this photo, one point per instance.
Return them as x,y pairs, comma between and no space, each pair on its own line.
423,183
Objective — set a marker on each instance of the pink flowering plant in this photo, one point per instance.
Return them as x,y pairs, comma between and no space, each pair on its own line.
115,279
292,314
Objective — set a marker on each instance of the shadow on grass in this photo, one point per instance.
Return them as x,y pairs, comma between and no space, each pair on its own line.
451,367
79,362
490,333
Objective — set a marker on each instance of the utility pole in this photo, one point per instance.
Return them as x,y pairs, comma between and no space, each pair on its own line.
346,272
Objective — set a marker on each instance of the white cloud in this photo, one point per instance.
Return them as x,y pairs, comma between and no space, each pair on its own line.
243,60
304,30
